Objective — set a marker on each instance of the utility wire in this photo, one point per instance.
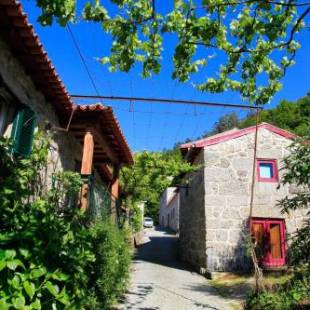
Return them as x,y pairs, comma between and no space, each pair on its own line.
165,100
78,49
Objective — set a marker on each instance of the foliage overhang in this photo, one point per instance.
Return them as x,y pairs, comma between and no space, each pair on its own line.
254,40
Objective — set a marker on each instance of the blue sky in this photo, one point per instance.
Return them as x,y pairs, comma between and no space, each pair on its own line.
149,126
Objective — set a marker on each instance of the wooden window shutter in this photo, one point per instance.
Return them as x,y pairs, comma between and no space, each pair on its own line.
22,131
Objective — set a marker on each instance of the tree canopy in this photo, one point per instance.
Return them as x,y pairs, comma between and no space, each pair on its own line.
151,174
254,40
293,116
297,173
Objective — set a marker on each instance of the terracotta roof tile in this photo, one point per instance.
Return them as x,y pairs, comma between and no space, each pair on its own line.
106,117
26,46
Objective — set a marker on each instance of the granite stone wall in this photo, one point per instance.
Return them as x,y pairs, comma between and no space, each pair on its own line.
192,232
227,180
214,214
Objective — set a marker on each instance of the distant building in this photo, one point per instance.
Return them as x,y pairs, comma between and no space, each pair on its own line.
169,209
214,209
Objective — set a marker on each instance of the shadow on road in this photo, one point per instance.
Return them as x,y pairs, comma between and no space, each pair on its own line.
162,250
175,287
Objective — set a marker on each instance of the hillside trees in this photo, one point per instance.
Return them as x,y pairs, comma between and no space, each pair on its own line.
255,40
293,116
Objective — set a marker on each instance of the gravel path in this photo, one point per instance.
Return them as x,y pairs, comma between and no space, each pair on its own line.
159,281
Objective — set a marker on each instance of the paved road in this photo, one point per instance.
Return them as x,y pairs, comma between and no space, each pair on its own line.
159,281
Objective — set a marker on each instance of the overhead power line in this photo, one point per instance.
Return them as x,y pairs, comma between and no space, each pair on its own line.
165,100
78,49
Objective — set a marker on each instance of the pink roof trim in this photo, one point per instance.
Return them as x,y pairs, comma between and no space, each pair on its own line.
233,134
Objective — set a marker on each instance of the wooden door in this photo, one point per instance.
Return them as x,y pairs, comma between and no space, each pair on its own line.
276,253
269,239
275,241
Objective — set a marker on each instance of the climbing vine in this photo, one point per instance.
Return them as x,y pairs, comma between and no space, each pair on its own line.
51,255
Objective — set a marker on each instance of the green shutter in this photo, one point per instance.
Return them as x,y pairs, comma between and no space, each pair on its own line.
22,131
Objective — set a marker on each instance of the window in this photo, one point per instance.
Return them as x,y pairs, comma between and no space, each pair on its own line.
267,170
22,131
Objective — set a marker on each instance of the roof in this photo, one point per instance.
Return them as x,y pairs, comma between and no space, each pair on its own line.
194,147
27,48
101,118
236,133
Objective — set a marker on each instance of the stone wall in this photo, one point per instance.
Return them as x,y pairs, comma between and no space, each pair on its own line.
227,186
65,149
169,209
192,219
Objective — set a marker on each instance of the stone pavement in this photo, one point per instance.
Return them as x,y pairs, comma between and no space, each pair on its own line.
160,281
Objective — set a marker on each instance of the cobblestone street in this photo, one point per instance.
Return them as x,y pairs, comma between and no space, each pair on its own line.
160,281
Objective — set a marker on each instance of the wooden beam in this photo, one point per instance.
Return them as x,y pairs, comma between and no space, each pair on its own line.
86,167
106,147
88,152
114,193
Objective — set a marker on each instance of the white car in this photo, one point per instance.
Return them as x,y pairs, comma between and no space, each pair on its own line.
148,222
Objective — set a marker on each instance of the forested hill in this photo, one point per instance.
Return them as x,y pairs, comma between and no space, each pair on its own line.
293,116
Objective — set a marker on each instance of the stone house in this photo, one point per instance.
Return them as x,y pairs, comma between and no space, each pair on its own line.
169,208
85,139
214,209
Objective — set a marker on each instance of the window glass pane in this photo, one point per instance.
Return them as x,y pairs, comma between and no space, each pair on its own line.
265,170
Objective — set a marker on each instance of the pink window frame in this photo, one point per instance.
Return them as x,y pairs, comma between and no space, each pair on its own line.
268,261
275,173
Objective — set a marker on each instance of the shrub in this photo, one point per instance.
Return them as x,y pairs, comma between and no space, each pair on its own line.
285,297
109,274
51,255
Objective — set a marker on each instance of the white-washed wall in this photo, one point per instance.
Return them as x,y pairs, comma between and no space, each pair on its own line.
169,209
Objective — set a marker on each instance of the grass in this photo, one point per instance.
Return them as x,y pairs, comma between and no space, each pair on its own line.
235,286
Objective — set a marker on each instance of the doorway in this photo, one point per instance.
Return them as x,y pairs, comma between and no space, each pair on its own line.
269,238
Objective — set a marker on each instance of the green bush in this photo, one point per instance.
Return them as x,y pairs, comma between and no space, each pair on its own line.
51,255
285,297
108,276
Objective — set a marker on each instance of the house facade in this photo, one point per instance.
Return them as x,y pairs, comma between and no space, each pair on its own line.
85,139
215,217
169,208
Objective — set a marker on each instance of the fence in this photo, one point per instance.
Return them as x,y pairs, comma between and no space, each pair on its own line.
99,200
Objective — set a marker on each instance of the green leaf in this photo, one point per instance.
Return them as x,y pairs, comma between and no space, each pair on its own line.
30,289
4,305
2,265
16,282
53,289
36,304
37,273
13,264
60,276
24,252
9,254
18,302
